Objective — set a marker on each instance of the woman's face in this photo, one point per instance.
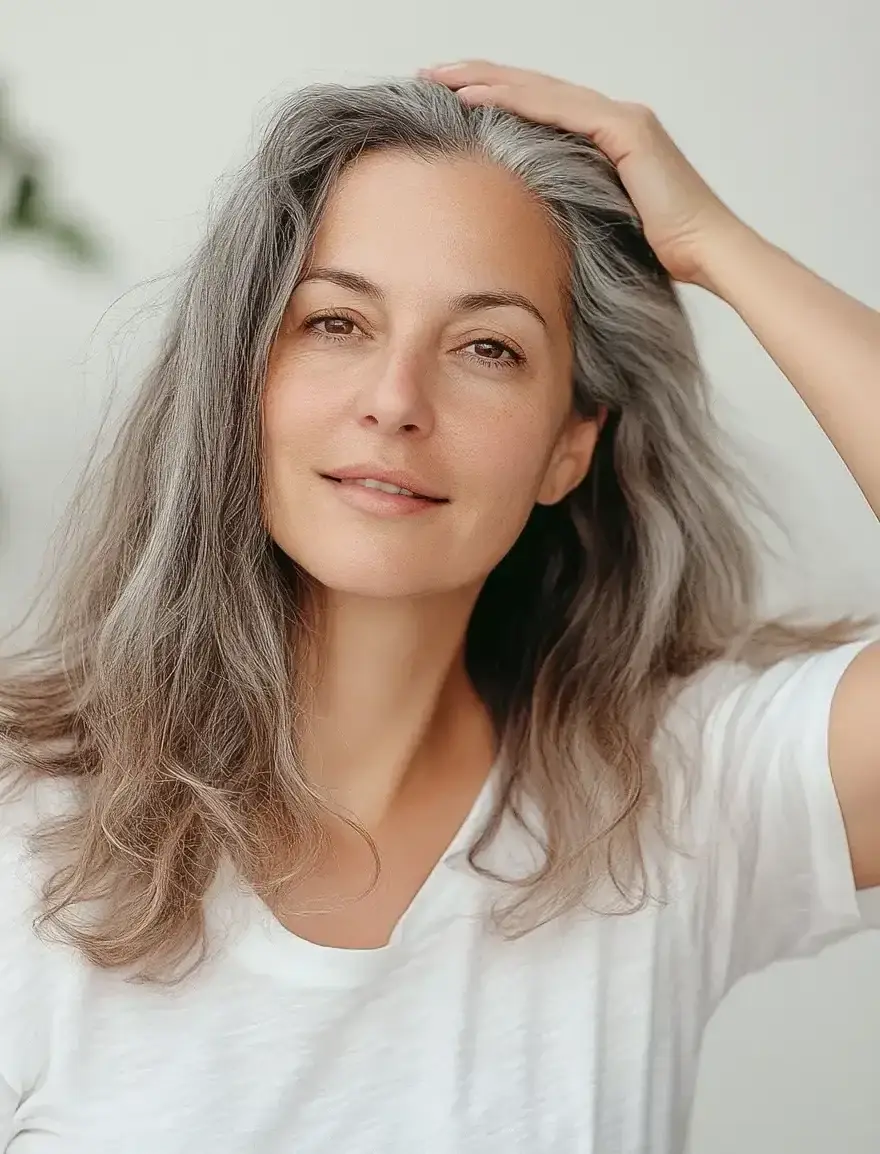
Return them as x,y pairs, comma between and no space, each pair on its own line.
426,348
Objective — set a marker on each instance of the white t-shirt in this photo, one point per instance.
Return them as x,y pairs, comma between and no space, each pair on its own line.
582,1036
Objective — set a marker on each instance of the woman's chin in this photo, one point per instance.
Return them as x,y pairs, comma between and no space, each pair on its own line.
379,579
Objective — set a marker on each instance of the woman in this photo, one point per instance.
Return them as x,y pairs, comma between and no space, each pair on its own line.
409,767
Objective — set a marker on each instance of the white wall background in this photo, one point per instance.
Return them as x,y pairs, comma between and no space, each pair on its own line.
144,106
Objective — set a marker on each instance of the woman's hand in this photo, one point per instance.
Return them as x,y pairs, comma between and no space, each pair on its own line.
680,213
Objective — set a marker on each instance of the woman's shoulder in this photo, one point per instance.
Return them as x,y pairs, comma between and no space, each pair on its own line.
734,724
729,688
32,973
27,805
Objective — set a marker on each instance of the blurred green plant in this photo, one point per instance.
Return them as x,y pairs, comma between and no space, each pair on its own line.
27,207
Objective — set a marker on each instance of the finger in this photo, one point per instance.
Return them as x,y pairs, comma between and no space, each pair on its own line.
580,110
534,89
472,72
494,94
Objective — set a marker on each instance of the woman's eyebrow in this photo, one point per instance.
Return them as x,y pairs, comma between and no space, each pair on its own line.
465,302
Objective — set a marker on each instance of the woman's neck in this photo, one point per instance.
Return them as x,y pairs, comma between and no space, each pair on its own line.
391,699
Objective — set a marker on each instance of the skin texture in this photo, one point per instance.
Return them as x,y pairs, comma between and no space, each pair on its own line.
405,383
407,380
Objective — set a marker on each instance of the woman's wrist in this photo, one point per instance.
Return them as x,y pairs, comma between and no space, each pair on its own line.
729,247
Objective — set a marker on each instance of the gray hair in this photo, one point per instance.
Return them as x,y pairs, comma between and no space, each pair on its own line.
168,679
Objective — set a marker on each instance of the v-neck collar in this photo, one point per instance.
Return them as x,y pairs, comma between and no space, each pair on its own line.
256,937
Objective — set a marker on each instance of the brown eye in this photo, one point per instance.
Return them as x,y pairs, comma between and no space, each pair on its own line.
494,353
334,326
491,350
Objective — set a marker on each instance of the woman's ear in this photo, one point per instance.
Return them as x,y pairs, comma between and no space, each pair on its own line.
571,457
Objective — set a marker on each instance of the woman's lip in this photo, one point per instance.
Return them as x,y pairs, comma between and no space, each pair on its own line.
410,492
396,477
378,502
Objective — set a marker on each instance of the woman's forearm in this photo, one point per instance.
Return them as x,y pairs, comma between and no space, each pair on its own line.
825,342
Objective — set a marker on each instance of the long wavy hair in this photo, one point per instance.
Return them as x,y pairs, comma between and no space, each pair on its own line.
167,677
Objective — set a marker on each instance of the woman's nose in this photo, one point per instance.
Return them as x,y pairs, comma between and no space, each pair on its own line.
397,397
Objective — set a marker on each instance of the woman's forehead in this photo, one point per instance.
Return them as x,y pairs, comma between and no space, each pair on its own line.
458,220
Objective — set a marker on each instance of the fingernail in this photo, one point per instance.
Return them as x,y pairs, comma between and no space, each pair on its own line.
445,67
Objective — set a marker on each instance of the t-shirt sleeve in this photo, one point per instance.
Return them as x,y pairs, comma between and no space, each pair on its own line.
775,877
25,981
